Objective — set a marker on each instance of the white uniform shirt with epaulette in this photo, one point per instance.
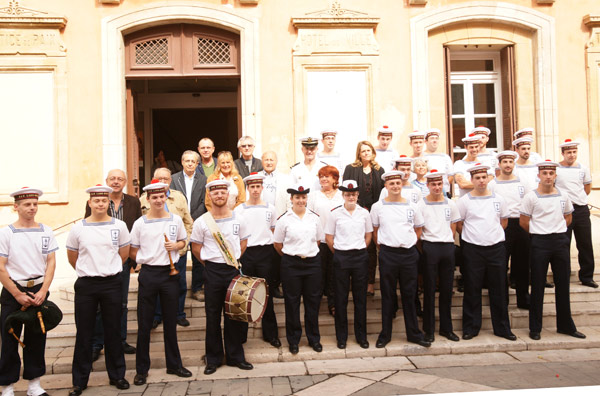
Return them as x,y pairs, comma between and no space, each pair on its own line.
512,191
348,229
460,167
437,219
148,235
528,175
260,222
396,222
97,245
322,205
546,212
409,192
299,173
481,219
571,180
26,250
299,236
234,229
385,157
443,163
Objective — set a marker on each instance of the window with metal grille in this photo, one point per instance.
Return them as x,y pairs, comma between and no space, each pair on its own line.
152,52
213,52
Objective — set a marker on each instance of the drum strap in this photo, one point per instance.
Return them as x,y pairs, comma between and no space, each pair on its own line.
224,246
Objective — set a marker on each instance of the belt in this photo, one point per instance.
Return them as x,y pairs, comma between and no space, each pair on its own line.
30,283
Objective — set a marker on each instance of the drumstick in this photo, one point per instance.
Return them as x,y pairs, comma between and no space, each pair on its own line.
173,270
39,315
11,331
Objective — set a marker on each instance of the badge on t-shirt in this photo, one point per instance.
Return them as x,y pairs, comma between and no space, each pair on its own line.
521,191
563,204
269,216
45,243
581,175
447,214
114,236
414,198
410,214
173,232
236,229
497,207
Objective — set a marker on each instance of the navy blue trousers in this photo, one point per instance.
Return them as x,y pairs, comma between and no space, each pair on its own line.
438,260
581,226
351,267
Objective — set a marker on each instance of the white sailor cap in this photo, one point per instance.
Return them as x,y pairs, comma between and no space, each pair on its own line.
434,175
328,132
156,187
391,175
385,130
506,154
99,190
416,135
254,177
402,159
480,130
521,141
523,132
298,188
27,193
472,138
309,141
548,164
478,168
568,144
349,186
432,132
218,184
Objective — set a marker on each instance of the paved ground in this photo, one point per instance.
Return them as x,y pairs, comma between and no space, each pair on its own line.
370,376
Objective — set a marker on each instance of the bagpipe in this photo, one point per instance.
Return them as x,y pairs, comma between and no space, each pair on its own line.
38,319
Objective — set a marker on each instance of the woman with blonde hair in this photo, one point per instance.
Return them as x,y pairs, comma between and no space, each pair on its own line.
420,169
367,173
225,170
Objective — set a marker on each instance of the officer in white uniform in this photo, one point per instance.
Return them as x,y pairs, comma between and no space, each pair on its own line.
305,172
298,233
328,155
233,227
348,233
575,180
27,263
512,189
97,247
440,161
484,216
461,176
545,214
257,260
440,216
150,249
397,226
534,157
383,153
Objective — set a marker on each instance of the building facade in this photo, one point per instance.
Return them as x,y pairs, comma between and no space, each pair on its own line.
91,85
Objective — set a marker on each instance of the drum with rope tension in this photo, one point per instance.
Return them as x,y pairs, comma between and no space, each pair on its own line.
246,299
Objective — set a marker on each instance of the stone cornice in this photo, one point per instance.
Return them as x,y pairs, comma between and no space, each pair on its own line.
336,17
591,21
16,16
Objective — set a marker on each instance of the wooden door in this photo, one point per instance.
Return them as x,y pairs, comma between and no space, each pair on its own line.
133,156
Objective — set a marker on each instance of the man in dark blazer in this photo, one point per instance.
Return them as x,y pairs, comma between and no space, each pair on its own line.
247,163
193,186
127,208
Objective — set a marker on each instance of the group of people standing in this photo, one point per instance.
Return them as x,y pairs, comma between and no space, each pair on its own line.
320,231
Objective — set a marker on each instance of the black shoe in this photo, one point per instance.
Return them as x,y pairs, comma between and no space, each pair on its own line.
95,354
364,344
468,336
341,344
575,334
534,335
549,285
180,372
277,293
423,343
294,349
509,336
429,337
243,365
449,335
128,349
120,383
76,390
381,343
155,324
183,322
513,285
210,369
317,347
590,283
275,342
140,379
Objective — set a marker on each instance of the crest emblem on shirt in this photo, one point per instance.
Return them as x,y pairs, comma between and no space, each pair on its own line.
447,214
45,243
114,236
521,191
269,216
497,207
581,175
415,198
236,229
563,204
410,214
173,231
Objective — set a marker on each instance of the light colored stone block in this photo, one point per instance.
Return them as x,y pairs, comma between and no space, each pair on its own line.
374,375
445,385
260,370
357,365
406,348
260,387
479,359
558,355
339,385
408,379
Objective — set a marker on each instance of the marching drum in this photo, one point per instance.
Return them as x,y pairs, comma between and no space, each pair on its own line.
246,299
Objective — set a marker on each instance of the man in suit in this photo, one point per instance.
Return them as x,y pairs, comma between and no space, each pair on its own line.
206,148
192,184
127,208
247,163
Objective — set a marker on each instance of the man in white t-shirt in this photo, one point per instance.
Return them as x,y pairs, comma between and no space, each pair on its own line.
528,133
545,214
485,155
437,160
461,176
417,142
383,153
328,155
525,168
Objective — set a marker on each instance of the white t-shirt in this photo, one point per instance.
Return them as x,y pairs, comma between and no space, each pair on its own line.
321,205
409,192
97,245
512,191
396,222
528,175
547,212
148,235
571,180
488,158
260,222
385,157
441,162
26,250
460,167
437,218
308,178
234,230
481,218
299,236
349,229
